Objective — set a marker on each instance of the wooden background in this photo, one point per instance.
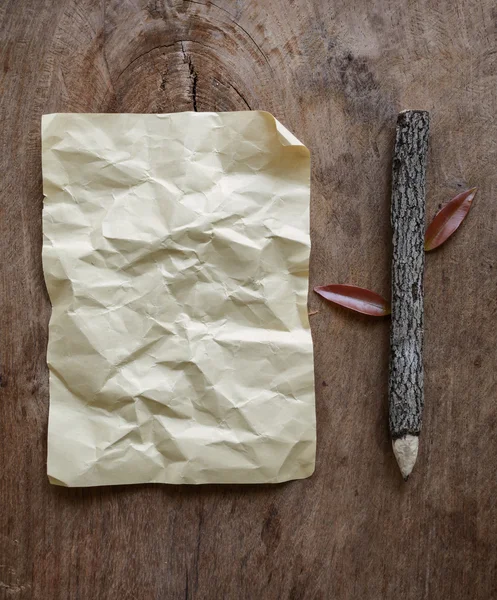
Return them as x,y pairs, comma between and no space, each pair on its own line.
336,73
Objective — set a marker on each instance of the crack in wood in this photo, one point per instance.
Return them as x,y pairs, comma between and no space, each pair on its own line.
260,50
145,54
193,76
163,83
240,94
104,54
236,90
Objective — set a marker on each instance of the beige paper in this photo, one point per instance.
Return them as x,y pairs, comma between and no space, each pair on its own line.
176,252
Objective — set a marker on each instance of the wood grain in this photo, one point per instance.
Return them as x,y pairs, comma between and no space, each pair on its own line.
336,73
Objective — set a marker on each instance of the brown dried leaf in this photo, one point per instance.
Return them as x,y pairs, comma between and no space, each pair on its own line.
355,298
448,219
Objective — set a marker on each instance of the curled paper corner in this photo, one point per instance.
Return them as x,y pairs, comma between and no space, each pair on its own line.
176,251
285,136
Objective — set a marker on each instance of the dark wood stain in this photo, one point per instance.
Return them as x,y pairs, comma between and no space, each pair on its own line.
336,74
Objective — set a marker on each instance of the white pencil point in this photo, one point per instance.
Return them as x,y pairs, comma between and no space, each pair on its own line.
406,452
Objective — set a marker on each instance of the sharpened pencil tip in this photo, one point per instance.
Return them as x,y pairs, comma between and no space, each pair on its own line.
406,452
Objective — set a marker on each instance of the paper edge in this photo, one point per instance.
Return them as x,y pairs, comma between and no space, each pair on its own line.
286,137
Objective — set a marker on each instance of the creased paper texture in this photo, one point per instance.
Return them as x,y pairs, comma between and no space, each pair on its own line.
176,252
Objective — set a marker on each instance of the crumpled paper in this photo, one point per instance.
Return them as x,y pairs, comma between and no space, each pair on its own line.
175,253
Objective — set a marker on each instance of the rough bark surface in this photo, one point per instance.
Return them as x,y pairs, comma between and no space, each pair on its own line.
336,73
406,398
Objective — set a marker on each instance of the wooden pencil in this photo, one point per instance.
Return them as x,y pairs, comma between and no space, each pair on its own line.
406,398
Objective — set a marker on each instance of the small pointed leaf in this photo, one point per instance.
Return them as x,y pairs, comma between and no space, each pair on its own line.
448,219
355,298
